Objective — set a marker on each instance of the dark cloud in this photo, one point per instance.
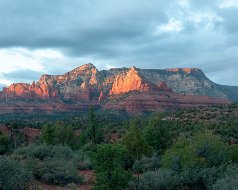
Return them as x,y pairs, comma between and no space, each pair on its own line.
125,33
229,24
22,76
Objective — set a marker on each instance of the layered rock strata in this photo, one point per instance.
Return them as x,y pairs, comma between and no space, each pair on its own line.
129,89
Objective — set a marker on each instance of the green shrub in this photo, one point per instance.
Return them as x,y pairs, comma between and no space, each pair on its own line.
5,144
13,175
53,164
60,172
203,149
42,152
226,183
157,136
71,186
228,179
198,160
34,166
82,160
199,178
135,143
233,149
161,179
60,134
109,163
147,164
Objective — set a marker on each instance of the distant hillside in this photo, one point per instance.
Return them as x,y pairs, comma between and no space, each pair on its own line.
126,89
208,114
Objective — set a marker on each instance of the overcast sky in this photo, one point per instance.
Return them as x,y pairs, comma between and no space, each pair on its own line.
55,36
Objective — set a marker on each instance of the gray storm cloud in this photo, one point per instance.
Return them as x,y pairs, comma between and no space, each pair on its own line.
147,34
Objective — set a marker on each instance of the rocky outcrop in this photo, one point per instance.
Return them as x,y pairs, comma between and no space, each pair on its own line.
184,70
30,91
120,88
130,81
102,97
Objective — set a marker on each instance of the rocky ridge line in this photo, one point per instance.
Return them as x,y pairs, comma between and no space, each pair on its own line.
115,89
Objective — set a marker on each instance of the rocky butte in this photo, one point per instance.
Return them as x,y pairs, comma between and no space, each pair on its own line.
128,89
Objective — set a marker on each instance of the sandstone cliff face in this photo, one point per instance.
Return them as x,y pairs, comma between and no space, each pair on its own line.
122,88
30,91
129,81
73,85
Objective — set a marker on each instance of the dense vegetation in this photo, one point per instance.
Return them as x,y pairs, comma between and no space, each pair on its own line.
162,151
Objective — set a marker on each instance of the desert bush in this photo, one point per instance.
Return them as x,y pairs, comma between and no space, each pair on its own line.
34,166
53,164
147,164
72,186
199,178
226,183
153,180
42,152
166,179
59,172
203,149
13,175
82,160
197,160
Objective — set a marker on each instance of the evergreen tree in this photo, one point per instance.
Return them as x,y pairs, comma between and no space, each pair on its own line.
5,144
135,142
157,136
109,163
93,130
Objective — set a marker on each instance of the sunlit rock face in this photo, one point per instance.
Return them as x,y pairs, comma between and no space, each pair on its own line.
185,70
30,91
120,88
130,81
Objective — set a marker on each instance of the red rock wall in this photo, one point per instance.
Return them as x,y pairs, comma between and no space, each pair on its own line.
129,81
159,101
29,91
86,86
80,95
